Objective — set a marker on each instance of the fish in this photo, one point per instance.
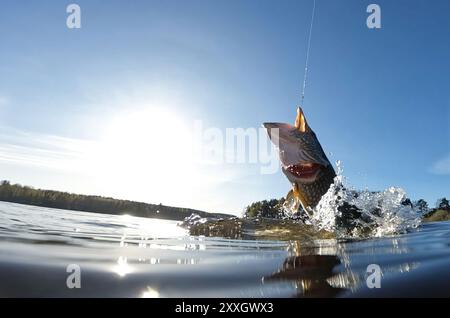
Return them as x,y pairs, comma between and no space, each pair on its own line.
303,161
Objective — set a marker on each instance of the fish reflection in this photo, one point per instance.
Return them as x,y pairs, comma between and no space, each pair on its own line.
309,274
325,269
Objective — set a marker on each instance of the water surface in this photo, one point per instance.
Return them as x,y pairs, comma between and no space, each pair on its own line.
125,256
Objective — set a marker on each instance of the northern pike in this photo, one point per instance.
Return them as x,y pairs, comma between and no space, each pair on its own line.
311,175
303,161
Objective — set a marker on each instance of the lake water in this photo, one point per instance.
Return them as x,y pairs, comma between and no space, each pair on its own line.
124,256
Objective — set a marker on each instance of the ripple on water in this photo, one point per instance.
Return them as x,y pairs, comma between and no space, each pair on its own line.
137,257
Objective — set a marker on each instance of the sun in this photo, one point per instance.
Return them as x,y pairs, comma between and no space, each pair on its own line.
149,137
149,151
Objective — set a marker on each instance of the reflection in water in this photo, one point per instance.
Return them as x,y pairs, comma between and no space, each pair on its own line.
314,268
157,258
309,274
325,268
122,268
150,293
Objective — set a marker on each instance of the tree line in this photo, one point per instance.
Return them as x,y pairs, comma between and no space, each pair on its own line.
274,208
17,193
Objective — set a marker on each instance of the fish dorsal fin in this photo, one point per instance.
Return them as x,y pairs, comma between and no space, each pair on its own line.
300,121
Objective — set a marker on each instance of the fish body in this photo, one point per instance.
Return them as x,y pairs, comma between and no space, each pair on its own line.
303,161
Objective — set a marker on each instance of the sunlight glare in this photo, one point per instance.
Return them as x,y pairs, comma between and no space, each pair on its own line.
122,268
148,149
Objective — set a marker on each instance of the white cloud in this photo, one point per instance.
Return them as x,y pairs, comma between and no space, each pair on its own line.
441,166
42,150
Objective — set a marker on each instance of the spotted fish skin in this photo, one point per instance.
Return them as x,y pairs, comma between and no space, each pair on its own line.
313,192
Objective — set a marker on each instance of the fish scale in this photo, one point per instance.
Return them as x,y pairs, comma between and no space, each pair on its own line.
313,192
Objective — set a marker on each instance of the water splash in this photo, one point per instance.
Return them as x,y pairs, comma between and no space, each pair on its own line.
195,220
192,220
342,210
355,213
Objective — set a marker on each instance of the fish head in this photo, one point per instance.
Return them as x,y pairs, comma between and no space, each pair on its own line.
301,155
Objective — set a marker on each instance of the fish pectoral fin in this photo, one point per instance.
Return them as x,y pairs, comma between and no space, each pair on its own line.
292,202
290,196
300,200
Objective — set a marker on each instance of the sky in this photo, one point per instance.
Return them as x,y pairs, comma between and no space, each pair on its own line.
112,108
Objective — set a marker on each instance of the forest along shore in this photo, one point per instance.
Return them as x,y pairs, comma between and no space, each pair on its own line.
16,193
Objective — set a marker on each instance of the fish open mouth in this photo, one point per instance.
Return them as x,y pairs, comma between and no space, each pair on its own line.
304,171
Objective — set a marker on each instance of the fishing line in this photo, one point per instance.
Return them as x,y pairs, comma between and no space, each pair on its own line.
307,52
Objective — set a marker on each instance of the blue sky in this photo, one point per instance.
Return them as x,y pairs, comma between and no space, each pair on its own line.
378,100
